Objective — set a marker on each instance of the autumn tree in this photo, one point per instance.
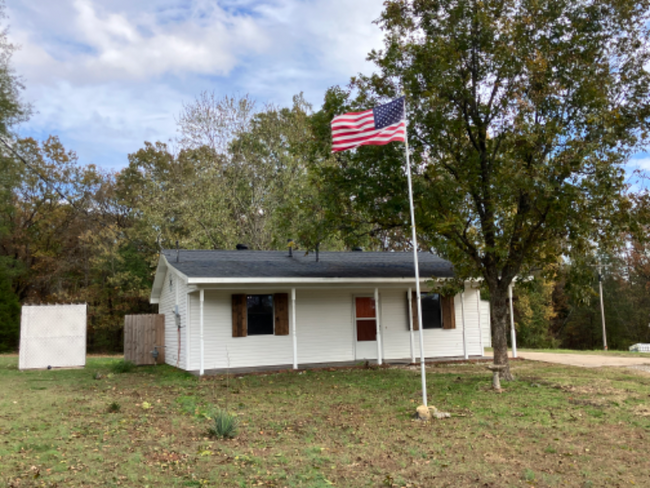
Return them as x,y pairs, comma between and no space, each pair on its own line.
235,173
521,117
12,111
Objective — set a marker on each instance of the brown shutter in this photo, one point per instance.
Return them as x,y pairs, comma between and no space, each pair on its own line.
281,306
414,307
448,313
239,324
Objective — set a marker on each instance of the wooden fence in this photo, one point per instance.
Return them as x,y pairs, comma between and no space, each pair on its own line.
141,334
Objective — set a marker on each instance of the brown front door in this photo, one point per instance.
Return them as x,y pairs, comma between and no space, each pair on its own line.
366,319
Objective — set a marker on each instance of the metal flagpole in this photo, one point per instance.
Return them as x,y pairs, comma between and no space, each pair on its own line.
415,260
602,305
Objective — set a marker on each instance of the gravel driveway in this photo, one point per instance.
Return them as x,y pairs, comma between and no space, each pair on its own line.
585,360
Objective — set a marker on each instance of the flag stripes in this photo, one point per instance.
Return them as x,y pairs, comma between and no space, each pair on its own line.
379,126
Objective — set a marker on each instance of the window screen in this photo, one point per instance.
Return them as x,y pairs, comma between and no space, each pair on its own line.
431,312
259,309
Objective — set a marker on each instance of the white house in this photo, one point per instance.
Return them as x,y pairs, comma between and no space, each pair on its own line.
244,309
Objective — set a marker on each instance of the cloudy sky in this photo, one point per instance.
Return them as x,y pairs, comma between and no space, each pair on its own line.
107,75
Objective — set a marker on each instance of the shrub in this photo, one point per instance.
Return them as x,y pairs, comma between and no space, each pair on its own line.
123,366
223,424
114,407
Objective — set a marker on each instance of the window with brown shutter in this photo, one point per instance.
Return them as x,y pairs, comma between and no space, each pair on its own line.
437,311
239,324
448,313
260,315
281,305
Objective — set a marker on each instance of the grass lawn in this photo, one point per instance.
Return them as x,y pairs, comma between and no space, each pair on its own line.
554,426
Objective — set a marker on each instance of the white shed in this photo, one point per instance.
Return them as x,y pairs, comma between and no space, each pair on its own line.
241,310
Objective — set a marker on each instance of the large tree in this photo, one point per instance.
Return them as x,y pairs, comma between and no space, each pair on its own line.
522,114
233,181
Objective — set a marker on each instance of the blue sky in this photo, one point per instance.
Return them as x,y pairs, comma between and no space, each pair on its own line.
107,75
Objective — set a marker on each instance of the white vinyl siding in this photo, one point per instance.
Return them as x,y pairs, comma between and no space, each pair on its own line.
325,330
438,343
168,300
222,350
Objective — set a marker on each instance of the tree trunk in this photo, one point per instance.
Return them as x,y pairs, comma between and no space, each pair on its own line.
499,320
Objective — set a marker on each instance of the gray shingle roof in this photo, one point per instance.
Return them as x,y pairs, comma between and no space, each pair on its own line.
278,264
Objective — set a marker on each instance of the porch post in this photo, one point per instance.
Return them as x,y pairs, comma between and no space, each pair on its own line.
201,298
513,333
378,324
293,328
480,330
462,313
409,300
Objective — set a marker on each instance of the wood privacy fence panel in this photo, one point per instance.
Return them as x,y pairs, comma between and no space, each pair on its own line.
141,334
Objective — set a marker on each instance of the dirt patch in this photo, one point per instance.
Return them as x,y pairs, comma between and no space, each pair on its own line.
641,411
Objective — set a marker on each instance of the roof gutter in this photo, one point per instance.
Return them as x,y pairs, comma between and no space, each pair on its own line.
224,281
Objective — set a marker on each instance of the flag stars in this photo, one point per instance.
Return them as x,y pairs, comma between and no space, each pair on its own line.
389,114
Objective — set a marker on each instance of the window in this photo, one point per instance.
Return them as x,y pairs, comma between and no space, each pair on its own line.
431,311
438,312
259,314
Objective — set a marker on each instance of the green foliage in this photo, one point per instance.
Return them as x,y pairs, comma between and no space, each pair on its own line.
223,424
123,366
534,313
12,109
236,174
521,117
9,315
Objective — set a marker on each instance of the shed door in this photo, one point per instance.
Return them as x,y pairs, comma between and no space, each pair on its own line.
365,313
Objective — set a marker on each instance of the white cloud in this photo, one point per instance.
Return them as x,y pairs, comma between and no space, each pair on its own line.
117,47
108,69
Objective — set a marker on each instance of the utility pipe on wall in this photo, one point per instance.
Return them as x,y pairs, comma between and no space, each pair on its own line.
202,298
293,328
378,324
188,321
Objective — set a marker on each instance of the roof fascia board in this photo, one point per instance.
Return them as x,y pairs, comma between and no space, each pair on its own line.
260,287
298,281
158,281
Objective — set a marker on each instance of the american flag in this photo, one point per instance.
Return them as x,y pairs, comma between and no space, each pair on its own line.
379,126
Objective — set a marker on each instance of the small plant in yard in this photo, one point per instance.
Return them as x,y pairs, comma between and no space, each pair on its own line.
529,475
223,424
123,366
114,407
